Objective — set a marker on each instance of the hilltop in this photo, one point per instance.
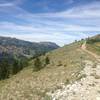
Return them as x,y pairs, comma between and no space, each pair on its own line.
93,44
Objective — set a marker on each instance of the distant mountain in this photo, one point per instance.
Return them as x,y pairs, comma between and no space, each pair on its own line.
15,54
18,47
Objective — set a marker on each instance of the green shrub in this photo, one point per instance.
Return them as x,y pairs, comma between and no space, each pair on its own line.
67,81
37,64
47,60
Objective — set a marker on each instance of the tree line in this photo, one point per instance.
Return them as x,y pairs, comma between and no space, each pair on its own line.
8,68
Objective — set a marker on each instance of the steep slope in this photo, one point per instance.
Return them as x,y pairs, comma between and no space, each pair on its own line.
65,66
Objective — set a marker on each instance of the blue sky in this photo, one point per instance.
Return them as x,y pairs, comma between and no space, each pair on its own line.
59,21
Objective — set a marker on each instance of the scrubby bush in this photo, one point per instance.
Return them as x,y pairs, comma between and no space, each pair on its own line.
37,64
59,63
47,60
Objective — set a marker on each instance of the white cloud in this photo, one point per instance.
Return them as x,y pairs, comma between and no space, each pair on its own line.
41,29
86,18
91,10
6,5
60,36
82,28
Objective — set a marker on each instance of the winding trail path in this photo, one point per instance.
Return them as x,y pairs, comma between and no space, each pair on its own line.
83,47
87,88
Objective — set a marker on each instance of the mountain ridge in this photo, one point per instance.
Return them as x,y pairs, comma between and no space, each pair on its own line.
10,45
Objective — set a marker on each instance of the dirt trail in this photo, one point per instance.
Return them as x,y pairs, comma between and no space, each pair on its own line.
83,47
86,88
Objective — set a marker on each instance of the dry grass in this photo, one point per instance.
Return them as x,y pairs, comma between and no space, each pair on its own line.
95,47
97,77
29,85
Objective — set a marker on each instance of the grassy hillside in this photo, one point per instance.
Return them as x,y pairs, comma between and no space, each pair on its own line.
93,44
65,66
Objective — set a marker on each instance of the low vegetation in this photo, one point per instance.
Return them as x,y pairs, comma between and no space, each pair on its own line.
39,64
46,73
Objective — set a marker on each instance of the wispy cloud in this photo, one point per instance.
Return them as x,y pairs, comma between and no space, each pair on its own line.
91,10
49,28
60,27
6,5
58,38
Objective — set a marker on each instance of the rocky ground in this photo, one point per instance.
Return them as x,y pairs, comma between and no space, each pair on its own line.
87,88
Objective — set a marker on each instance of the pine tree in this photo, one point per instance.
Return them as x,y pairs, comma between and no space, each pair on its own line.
15,68
4,69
